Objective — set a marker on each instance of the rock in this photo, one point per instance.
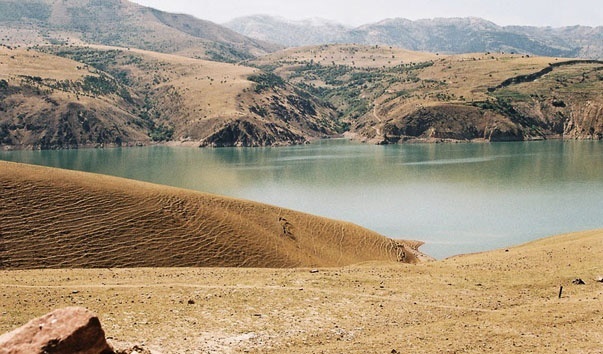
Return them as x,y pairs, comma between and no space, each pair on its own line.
64,331
578,281
191,302
599,279
129,348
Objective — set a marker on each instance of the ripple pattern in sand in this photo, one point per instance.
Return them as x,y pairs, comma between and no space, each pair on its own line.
64,219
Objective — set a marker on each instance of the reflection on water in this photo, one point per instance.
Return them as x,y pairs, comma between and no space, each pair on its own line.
457,197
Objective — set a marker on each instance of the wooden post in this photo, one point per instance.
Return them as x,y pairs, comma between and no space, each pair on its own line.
560,291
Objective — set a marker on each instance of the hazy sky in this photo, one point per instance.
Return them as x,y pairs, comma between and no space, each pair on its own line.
503,12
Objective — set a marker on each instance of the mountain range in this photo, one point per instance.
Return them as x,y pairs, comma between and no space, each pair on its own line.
124,24
81,73
443,35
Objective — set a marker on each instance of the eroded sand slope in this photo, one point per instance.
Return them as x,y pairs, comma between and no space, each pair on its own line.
54,218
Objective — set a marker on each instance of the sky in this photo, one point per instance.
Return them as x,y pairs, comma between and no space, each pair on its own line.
555,13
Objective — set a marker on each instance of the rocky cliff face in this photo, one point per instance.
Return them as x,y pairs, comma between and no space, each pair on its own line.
562,100
245,132
449,123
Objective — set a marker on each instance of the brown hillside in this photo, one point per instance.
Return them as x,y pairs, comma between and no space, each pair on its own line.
220,104
388,95
51,102
115,96
504,301
60,219
125,24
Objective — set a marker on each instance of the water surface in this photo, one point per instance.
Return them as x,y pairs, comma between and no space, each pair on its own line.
458,198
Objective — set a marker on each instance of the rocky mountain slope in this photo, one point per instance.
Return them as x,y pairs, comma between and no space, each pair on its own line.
69,97
48,102
388,95
116,97
121,23
289,33
450,35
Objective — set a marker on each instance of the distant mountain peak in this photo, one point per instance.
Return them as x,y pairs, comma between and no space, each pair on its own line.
445,35
288,32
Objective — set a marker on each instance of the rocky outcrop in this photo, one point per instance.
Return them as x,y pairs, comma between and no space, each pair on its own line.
64,331
249,133
560,101
450,123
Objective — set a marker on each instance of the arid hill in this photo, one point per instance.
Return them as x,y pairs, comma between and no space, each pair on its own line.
116,96
49,102
388,95
504,301
113,96
62,219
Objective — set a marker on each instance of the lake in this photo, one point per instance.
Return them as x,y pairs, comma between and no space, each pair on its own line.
458,198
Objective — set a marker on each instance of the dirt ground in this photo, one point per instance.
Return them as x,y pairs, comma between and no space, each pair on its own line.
504,301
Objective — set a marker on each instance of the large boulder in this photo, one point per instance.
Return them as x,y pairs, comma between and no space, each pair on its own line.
72,330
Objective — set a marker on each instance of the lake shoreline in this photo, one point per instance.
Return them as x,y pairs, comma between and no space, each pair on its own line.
311,140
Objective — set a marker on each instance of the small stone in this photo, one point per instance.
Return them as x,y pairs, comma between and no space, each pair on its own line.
314,271
578,281
600,279
191,302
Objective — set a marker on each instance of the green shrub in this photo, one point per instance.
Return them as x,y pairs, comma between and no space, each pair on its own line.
161,133
266,81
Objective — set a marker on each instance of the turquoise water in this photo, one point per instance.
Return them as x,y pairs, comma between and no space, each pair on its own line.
458,198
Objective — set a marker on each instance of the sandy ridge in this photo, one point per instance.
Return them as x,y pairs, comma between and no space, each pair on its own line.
57,219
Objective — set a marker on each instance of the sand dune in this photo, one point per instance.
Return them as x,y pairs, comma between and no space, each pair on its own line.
55,218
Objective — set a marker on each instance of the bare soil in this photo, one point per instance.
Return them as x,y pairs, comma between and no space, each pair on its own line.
504,301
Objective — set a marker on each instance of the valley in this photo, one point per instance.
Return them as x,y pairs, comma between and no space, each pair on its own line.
177,269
